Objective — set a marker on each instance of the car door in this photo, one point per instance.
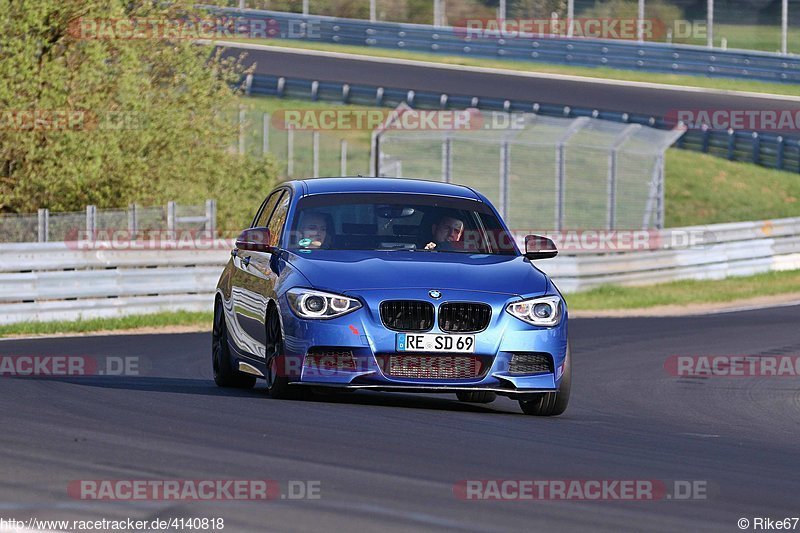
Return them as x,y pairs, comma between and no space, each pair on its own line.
250,286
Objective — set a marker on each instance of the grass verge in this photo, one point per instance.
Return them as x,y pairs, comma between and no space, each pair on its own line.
726,84
155,320
686,292
706,189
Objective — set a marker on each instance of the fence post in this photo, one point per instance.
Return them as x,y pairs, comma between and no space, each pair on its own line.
661,192
640,22
289,152
756,148
315,153
612,188
211,218
505,164
731,144
248,84
343,157
561,167
374,154
784,26
133,221
242,118
44,225
91,221
613,153
171,220
265,138
655,197
447,160
710,23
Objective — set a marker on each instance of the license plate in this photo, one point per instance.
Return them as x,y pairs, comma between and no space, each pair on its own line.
431,342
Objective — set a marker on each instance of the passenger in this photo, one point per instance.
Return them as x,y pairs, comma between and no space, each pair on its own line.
314,230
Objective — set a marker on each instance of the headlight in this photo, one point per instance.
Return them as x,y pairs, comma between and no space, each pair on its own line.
541,311
307,303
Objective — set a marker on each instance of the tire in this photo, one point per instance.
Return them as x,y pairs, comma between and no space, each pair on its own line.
551,403
277,384
476,397
224,373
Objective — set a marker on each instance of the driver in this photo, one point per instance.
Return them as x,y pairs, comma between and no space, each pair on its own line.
446,231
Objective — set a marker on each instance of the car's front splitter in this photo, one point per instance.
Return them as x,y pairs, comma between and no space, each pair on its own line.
514,394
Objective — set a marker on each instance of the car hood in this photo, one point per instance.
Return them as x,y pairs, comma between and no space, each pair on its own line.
342,271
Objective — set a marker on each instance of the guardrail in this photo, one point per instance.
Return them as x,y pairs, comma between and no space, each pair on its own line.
65,281
734,249
764,149
52,281
629,55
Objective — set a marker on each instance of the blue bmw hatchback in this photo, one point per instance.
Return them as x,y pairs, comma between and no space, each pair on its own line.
390,285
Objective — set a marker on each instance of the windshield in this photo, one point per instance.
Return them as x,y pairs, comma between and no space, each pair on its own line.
397,222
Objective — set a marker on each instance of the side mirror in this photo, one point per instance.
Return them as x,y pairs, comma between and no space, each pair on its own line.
538,247
255,240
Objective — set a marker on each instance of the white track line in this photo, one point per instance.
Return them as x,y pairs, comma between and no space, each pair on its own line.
500,71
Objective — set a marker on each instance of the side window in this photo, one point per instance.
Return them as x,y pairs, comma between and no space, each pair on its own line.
278,219
266,209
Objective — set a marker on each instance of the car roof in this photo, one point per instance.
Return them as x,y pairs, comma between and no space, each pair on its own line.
378,185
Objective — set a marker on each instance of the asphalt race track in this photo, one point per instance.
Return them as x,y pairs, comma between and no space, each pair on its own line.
390,461
622,97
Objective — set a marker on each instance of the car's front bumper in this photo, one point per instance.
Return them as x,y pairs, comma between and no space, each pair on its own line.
363,335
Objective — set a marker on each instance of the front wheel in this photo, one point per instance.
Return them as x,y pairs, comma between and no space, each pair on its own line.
277,380
551,403
224,373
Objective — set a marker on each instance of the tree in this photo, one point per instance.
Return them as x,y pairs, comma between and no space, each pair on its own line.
119,119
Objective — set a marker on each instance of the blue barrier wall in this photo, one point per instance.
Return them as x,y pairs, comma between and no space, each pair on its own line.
620,54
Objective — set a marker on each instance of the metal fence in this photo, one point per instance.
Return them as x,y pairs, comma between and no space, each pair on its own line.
765,149
621,54
133,222
543,172
303,153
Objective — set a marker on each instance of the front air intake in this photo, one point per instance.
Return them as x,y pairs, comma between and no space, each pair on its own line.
464,317
407,315
530,363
